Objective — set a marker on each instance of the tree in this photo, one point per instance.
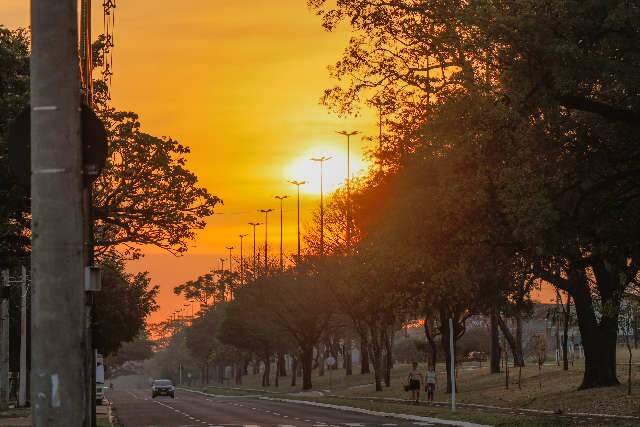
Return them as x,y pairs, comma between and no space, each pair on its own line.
14,94
568,181
249,327
140,348
145,194
121,307
202,340
628,313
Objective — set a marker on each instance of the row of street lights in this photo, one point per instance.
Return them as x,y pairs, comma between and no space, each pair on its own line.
281,198
321,160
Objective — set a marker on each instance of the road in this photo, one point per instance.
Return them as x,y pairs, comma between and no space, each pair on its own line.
136,408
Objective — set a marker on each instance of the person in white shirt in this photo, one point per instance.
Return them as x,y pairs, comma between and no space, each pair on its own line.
431,383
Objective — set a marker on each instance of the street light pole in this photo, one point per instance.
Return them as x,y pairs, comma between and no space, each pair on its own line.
348,135
321,160
298,184
58,379
254,225
222,262
281,198
230,248
242,236
266,213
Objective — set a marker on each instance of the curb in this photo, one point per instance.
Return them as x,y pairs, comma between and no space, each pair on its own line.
499,408
218,396
378,413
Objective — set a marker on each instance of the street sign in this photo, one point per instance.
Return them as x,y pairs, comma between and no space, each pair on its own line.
94,141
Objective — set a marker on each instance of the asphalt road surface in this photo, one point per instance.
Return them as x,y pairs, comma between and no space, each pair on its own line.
136,408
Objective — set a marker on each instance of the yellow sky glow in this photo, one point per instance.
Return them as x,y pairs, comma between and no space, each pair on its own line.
239,83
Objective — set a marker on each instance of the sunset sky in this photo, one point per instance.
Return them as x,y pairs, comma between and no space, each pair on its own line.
239,82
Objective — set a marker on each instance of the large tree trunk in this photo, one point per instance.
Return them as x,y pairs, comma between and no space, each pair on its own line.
376,355
282,365
495,344
266,376
565,338
321,359
429,328
598,339
221,374
518,359
365,364
307,367
388,355
239,369
348,362
294,369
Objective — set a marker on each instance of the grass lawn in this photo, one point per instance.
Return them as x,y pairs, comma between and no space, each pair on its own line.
103,422
553,389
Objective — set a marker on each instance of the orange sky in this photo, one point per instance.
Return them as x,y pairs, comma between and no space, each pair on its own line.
239,82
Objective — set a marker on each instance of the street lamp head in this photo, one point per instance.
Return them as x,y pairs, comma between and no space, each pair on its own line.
230,247
298,183
346,133
281,197
255,224
265,211
321,159
242,236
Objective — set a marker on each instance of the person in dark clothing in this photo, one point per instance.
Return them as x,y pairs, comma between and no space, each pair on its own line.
414,380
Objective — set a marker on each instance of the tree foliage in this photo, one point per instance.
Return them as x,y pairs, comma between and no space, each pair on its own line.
122,306
14,93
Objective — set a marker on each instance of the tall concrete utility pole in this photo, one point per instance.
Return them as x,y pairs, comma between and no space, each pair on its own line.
24,372
4,341
58,381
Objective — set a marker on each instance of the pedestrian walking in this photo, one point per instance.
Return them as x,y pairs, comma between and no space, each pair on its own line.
431,383
414,380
